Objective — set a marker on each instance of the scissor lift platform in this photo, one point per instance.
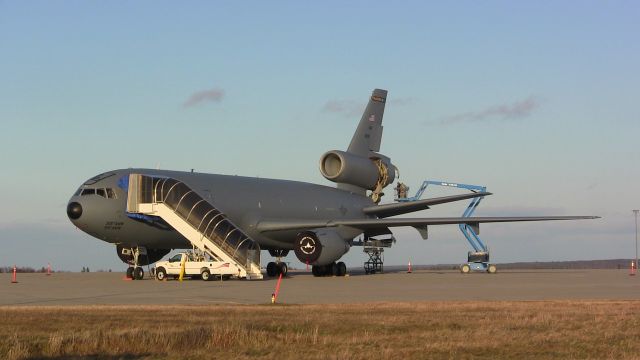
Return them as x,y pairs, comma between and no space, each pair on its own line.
478,259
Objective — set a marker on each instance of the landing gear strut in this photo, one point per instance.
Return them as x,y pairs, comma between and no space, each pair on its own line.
278,267
135,272
333,269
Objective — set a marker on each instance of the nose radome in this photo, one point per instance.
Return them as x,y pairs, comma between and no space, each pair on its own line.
74,210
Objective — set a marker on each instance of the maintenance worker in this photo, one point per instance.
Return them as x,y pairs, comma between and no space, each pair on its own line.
401,190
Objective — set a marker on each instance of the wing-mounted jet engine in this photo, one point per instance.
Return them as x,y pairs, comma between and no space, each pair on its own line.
321,248
371,173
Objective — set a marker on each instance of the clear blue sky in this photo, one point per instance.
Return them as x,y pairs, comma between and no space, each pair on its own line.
539,101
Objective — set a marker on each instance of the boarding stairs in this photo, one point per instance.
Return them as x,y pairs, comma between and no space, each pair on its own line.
206,227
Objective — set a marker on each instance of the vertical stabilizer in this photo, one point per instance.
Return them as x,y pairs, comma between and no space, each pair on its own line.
368,135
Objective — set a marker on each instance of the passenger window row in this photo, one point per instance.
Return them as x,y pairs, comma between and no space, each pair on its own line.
108,193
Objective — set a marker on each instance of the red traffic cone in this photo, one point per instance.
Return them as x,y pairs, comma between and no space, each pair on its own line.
409,269
632,271
13,277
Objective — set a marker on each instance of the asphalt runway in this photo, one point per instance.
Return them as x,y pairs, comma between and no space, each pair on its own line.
303,288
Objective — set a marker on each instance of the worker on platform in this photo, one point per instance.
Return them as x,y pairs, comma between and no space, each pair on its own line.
402,190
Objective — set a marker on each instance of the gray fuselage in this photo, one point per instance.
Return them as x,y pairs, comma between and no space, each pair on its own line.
245,200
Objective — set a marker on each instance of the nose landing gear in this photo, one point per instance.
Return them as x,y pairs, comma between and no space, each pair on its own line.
134,272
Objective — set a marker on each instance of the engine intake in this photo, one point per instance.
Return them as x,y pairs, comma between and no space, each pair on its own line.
320,247
373,173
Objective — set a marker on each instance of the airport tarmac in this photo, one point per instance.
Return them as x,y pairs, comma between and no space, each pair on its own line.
303,288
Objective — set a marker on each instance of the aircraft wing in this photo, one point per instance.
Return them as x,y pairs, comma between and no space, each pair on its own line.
387,210
367,224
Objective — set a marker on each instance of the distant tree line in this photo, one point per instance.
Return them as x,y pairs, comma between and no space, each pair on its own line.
23,269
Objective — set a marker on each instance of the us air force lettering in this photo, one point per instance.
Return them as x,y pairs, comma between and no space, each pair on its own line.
146,213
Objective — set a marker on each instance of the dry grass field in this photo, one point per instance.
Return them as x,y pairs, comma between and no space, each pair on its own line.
438,330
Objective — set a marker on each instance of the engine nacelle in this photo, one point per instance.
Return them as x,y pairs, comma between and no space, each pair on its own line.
343,167
320,247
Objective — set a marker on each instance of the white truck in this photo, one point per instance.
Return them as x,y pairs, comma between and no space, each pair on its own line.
195,265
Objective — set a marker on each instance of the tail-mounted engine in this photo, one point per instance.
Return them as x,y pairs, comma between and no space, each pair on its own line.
373,173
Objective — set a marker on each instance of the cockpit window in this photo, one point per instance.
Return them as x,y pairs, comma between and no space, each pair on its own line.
108,193
111,194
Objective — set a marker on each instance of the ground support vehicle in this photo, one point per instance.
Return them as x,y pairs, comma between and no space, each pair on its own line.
195,266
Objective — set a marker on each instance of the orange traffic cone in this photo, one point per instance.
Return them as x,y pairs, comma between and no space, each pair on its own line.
632,271
409,269
13,277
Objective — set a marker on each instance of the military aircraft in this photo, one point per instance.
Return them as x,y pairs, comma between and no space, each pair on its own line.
319,223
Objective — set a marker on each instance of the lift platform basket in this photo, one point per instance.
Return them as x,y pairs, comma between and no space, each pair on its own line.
478,257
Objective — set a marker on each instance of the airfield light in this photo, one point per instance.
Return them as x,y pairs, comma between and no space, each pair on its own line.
635,212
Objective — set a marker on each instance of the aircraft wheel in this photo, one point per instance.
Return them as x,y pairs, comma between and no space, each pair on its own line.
272,269
492,269
465,268
334,270
317,270
282,269
129,273
161,274
328,269
138,273
342,269
324,270
205,275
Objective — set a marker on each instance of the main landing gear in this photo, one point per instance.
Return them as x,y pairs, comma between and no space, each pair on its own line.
278,267
275,269
333,269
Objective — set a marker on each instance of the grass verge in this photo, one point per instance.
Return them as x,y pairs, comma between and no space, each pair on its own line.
439,330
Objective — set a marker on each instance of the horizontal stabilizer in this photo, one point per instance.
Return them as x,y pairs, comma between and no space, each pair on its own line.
387,210
366,224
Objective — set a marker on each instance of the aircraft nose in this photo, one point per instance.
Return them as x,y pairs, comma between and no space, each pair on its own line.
74,210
